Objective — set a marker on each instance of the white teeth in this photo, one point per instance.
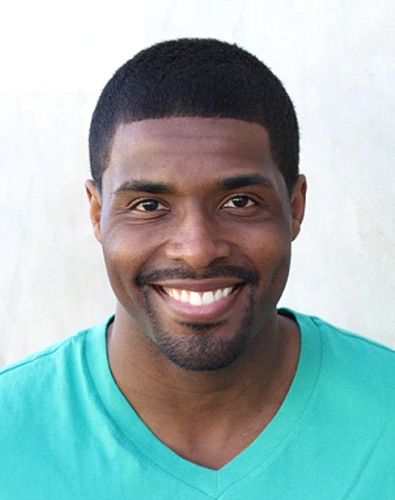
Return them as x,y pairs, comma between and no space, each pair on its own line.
195,299
198,298
208,298
176,294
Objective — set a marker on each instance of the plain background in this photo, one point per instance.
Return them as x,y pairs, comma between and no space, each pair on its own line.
336,60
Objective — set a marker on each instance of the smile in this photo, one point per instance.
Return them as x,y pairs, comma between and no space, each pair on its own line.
198,298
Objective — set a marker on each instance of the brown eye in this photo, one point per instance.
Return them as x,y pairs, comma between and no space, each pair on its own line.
239,202
147,205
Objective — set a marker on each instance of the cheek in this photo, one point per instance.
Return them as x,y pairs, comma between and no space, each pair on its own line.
270,254
267,244
129,249
123,256
127,245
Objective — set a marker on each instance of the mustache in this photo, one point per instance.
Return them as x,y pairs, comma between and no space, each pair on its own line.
237,272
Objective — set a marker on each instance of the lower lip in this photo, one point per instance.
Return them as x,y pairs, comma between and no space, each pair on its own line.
206,312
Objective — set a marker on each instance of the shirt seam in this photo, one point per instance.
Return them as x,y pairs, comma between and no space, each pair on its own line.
293,430
48,351
123,435
320,324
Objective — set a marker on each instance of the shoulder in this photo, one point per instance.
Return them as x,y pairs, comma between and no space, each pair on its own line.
340,338
46,371
43,360
343,343
354,370
48,402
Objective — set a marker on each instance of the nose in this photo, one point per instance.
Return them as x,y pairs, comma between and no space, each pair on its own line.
197,241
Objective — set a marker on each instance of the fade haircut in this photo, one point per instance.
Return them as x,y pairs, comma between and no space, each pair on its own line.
202,78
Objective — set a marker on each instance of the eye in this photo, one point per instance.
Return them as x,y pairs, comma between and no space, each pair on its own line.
239,201
148,205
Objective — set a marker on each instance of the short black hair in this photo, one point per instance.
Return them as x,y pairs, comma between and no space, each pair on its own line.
202,78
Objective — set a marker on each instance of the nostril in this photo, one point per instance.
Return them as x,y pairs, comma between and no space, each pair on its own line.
199,252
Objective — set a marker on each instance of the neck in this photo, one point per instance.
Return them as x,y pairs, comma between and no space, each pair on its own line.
206,417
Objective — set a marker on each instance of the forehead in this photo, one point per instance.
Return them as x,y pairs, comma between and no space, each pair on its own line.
188,146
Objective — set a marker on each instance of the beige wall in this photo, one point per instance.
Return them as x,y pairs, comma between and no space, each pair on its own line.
336,60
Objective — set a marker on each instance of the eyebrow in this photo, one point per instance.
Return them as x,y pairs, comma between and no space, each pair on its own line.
144,185
229,183
240,181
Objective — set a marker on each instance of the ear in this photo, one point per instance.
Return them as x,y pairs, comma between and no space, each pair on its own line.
94,199
298,203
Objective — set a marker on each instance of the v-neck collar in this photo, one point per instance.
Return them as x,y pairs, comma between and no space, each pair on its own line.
257,455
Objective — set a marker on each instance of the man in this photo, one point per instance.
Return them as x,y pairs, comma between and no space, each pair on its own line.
199,387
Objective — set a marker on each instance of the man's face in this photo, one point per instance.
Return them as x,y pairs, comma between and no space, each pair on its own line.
196,225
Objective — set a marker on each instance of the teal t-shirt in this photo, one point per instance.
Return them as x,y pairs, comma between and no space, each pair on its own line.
67,432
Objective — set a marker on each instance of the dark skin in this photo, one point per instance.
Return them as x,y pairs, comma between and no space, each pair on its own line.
200,197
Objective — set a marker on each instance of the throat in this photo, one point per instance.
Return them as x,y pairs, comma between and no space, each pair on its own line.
210,417
214,446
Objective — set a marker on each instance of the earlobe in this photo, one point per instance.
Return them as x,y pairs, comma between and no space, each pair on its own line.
298,203
94,199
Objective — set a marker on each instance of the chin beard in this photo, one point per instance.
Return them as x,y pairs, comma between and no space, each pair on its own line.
202,349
